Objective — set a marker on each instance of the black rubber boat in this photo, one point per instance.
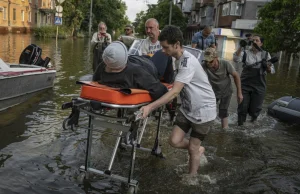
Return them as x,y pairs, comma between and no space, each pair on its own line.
286,109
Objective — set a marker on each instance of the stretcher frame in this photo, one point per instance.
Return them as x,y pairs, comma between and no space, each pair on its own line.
132,134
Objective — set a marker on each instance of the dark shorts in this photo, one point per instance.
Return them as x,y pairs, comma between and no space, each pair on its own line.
223,106
198,130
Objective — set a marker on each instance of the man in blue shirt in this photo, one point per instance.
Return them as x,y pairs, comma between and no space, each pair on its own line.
204,39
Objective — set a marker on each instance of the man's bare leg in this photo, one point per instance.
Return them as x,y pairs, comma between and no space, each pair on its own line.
177,138
224,122
195,152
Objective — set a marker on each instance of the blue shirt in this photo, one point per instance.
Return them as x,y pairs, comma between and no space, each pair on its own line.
197,39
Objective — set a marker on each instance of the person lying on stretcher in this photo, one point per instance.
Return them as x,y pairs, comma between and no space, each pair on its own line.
118,73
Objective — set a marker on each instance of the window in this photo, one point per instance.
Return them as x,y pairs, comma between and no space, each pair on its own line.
22,15
4,13
225,9
257,11
235,8
35,17
203,12
14,14
29,16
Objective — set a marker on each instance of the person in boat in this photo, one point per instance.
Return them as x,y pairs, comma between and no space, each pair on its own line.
198,107
253,78
129,36
204,39
100,41
117,72
151,44
219,71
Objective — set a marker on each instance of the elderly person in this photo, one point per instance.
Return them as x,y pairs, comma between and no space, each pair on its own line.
204,39
101,36
118,72
253,78
99,41
219,71
151,44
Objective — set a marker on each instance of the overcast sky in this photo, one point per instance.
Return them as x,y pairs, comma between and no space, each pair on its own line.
135,6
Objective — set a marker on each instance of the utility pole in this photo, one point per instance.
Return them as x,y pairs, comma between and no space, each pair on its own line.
90,23
170,14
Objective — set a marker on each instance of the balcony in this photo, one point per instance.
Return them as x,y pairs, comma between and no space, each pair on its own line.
187,6
244,24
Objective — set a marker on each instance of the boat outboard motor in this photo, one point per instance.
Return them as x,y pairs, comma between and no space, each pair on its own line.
32,55
286,109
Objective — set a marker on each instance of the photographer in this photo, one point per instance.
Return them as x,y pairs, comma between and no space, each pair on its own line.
256,65
100,41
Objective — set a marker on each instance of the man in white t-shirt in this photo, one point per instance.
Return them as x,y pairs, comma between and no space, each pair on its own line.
198,108
151,44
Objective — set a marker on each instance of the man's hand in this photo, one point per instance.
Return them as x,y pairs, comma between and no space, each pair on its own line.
146,110
269,65
240,98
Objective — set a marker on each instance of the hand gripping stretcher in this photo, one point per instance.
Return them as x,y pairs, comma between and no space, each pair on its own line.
95,99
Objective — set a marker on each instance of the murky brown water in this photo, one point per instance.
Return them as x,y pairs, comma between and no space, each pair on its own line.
37,156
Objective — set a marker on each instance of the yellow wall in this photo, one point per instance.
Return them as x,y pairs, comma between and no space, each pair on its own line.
28,13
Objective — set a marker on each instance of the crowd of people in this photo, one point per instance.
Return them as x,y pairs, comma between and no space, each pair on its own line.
204,88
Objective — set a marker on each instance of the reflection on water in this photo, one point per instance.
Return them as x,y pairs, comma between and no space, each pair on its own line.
37,156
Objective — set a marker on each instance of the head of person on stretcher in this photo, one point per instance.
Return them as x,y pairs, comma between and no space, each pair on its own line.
115,71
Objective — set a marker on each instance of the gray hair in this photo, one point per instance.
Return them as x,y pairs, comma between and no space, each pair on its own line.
102,23
207,28
152,19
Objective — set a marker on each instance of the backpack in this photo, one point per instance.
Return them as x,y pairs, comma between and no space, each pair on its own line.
32,55
145,62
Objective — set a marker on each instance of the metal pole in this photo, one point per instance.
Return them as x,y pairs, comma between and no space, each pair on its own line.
91,14
170,15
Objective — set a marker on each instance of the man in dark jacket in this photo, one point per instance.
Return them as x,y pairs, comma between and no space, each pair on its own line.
117,72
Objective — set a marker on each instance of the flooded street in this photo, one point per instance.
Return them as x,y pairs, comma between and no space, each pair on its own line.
38,156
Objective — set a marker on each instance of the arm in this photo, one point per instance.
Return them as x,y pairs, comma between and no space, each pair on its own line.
237,82
170,95
270,66
145,80
238,55
194,41
94,38
108,36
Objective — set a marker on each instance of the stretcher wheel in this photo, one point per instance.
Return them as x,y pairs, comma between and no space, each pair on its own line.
81,177
65,124
132,190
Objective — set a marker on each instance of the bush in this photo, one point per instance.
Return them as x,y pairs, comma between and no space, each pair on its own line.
50,31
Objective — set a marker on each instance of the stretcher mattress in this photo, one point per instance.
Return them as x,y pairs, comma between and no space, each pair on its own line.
98,92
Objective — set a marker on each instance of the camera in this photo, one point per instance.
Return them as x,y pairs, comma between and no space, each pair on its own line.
243,43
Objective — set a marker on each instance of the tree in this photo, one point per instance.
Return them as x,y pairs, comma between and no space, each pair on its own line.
161,13
280,26
112,12
73,14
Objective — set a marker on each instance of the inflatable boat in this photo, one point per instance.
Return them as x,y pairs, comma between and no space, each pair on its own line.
286,109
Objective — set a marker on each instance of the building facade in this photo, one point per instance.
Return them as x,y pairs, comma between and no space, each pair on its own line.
20,16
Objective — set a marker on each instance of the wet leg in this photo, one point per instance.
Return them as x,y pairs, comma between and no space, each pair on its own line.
195,152
177,138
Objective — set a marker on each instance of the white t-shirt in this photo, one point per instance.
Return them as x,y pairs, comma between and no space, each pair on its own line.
197,96
147,47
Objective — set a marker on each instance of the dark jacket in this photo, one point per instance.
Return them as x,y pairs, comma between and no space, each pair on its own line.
133,76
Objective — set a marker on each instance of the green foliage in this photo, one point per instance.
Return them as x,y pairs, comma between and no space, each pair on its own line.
73,13
161,13
280,26
50,32
112,12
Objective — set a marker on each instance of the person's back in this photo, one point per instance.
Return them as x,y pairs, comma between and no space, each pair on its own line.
116,72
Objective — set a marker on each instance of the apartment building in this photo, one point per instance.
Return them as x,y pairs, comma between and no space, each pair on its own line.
230,19
20,16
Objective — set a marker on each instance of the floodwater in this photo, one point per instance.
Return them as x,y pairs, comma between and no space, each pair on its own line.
38,156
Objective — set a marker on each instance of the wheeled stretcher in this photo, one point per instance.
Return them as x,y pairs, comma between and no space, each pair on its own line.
98,102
